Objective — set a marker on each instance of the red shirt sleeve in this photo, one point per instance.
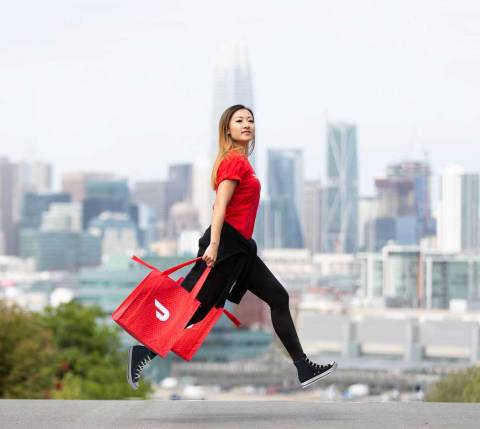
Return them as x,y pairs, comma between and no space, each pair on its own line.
233,168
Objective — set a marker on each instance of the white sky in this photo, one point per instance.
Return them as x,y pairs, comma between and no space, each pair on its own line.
126,86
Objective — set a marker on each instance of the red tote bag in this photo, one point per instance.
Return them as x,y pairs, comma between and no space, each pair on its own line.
157,310
192,338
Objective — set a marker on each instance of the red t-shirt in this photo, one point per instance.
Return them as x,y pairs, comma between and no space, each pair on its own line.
242,208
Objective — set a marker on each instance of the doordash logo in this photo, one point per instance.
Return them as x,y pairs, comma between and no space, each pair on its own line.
162,313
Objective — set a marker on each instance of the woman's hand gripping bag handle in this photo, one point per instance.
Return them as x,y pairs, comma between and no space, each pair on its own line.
157,310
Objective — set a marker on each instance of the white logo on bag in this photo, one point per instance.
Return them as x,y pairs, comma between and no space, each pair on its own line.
162,313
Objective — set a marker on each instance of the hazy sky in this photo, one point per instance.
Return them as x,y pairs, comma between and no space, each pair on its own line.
126,86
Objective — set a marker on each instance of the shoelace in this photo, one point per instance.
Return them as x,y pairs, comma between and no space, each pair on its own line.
316,365
141,366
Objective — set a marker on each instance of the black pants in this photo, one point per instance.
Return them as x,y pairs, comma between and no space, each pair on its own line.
262,283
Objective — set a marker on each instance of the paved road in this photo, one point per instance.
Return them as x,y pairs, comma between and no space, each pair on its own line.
235,414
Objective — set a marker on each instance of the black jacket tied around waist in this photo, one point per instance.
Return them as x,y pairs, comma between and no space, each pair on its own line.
232,245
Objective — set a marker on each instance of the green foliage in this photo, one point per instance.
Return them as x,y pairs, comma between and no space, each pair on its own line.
90,349
27,355
462,386
67,352
100,383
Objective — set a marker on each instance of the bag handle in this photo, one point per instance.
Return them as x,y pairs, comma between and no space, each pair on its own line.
183,264
232,317
200,282
167,271
141,261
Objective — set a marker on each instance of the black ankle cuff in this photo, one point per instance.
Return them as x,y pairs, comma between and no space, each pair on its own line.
299,360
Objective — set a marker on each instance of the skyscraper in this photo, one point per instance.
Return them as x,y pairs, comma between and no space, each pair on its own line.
470,212
151,199
179,183
312,215
107,195
16,179
35,205
404,208
367,214
340,202
63,217
405,191
31,176
458,210
285,193
75,183
153,193
232,85
7,230
34,176
201,190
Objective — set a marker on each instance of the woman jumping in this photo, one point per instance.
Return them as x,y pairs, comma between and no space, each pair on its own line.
228,247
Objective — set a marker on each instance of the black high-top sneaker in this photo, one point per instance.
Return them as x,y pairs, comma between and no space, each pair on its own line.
138,357
309,372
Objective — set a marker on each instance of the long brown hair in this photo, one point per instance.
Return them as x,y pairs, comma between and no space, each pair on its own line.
225,143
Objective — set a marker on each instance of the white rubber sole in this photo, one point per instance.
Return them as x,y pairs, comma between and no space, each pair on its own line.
133,385
320,376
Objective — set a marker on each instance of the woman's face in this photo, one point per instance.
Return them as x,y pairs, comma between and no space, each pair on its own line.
242,127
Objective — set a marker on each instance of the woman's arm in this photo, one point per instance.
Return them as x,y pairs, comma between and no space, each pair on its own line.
224,195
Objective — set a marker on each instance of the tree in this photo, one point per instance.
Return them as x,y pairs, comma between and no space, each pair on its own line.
66,352
91,356
462,386
28,355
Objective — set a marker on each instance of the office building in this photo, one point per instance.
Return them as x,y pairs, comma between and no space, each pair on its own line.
458,210
35,205
340,201
75,183
7,194
312,215
285,198
60,250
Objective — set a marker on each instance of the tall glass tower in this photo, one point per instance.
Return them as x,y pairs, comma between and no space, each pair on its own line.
232,85
285,192
340,202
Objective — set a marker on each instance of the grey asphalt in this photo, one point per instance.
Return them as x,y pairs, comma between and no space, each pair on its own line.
235,414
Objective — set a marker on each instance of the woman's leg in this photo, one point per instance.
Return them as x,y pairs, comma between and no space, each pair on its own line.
263,284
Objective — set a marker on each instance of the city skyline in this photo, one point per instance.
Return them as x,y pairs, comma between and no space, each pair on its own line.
367,232
90,87
58,176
